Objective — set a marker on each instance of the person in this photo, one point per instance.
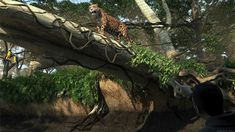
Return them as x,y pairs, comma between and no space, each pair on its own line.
8,55
10,58
7,59
207,99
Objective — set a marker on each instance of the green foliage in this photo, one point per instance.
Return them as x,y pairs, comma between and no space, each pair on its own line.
229,82
67,6
180,7
79,84
212,43
114,7
229,63
121,9
165,68
193,65
157,63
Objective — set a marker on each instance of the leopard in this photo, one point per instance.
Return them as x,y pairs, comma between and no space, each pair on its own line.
109,24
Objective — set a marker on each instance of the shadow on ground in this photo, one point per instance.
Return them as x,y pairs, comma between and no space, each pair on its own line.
113,122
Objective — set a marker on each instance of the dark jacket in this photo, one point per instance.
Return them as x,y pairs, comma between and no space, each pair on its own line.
221,123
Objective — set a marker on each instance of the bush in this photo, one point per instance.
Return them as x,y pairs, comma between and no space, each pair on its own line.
166,68
78,83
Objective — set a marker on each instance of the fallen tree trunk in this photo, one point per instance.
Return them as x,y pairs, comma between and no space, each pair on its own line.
53,36
66,42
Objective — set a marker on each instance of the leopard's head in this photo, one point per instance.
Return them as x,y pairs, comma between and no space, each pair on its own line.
94,9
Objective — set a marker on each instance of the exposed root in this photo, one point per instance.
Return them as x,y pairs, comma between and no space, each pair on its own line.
147,108
141,119
98,112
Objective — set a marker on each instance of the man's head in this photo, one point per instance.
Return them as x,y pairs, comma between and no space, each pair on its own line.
208,99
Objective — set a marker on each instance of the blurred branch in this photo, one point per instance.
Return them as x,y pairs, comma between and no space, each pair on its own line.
147,25
24,51
168,13
224,69
22,62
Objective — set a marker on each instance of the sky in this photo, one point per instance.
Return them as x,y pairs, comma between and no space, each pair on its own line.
77,1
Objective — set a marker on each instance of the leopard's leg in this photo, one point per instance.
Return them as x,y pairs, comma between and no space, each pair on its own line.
119,37
125,35
121,29
102,29
103,25
98,29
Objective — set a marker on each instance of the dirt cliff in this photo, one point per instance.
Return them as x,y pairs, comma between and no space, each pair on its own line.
125,114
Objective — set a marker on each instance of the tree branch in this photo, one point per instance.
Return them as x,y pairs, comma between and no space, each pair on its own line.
168,13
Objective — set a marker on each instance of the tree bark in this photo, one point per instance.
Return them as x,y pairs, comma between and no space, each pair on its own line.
5,69
168,13
197,28
162,36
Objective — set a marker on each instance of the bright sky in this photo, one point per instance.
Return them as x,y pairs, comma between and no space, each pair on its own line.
77,1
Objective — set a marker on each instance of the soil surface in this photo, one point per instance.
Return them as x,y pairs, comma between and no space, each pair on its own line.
62,114
114,122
